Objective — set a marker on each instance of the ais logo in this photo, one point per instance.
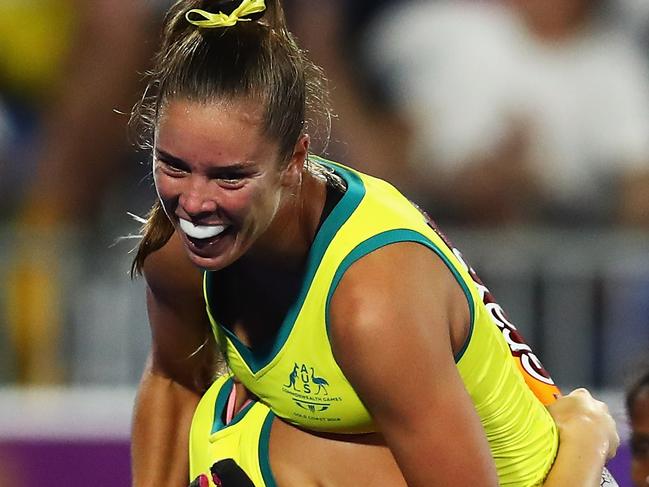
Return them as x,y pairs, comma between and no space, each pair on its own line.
309,390
304,377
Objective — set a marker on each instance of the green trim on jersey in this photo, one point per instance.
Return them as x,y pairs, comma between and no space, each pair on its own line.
245,439
262,356
220,403
396,236
298,376
264,451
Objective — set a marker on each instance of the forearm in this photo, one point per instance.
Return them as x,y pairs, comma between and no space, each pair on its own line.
578,464
160,439
587,438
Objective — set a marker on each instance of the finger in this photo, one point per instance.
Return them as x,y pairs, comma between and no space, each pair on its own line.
614,438
580,392
615,446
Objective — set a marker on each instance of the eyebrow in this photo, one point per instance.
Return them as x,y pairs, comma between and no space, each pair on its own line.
237,166
161,154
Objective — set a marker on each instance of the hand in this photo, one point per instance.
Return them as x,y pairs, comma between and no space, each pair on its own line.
583,420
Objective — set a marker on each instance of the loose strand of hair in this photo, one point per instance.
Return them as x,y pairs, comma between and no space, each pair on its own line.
156,232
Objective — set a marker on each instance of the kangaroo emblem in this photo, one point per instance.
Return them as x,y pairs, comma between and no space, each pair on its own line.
292,377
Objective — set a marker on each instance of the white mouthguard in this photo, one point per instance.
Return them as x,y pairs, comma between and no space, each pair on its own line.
200,231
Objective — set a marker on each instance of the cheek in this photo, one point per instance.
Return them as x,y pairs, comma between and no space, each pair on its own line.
168,191
250,202
236,202
267,203
167,186
159,180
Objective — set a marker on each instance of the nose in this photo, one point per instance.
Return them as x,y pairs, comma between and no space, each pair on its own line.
199,197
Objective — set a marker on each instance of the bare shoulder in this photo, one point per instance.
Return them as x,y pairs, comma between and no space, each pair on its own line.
400,281
169,273
396,320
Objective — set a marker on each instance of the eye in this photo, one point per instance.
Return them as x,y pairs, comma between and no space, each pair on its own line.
232,180
171,167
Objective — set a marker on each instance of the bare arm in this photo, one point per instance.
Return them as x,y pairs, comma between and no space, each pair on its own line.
181,366
587,438
390,334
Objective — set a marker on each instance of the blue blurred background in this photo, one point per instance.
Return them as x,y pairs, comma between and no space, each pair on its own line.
521,126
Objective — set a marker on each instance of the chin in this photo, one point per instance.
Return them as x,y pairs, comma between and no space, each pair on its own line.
208,263
213,255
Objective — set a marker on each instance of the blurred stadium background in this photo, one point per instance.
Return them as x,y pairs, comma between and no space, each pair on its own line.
571,267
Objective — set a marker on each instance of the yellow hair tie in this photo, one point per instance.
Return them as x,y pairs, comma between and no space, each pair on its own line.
210,20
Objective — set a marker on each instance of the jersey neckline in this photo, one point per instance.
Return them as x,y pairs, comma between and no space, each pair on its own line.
259,358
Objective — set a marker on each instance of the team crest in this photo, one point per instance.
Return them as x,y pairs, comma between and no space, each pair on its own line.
309,390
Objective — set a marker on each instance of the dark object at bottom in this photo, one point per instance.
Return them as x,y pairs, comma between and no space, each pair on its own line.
226,473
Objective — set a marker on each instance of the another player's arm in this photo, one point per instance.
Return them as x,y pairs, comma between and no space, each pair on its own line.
179,368
587,438
391,319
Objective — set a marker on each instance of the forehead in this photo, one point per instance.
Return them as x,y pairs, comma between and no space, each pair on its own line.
211,115
199,130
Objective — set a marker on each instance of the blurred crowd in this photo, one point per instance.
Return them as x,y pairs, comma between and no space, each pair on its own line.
494,112
488,113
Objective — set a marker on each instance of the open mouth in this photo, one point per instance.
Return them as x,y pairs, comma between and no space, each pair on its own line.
202,238
201,232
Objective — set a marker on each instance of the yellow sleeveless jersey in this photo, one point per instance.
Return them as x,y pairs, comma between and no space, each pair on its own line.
297,375
244,439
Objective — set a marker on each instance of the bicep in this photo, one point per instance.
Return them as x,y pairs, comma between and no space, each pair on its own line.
391,321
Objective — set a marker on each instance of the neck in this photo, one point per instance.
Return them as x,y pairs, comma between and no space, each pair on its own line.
285,245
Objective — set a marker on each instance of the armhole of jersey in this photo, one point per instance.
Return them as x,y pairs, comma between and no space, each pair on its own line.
264,451
396,236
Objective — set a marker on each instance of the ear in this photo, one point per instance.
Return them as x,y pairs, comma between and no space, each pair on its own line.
292,174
